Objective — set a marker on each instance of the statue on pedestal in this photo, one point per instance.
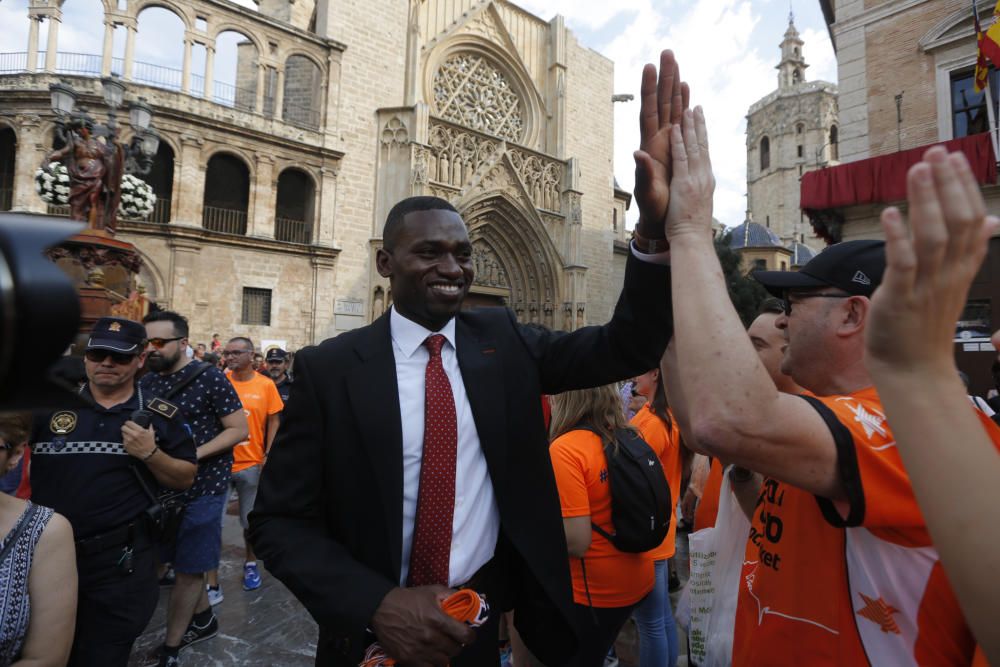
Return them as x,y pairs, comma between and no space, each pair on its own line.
95,172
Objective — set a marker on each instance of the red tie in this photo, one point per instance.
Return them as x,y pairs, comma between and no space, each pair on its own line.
429,558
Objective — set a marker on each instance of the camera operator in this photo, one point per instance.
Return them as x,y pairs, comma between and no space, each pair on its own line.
99,466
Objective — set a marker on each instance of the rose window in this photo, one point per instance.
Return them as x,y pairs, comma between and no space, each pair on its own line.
471,91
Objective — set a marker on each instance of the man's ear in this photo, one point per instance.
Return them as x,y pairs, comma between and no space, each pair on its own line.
383,262
855,316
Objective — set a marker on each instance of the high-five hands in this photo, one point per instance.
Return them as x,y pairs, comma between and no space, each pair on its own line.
929,267
662,102
693,183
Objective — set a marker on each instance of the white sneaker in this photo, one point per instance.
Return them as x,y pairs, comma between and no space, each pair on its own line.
214,594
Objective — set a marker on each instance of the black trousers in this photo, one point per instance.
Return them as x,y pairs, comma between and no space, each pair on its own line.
113,607
599,627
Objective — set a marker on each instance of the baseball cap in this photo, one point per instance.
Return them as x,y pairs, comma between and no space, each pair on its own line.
276,354
853,266
118,335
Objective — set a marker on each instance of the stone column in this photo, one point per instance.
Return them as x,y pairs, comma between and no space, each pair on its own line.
209,72
279,95
321,323
261,213
186,67
129,51
330,108
31,150
190,179
109,40
32,64
259,102
326,212
181,282
52,48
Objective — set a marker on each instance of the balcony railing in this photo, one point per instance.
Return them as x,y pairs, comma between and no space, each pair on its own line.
293,231
52,209
6,198
161,211
226,220
169,78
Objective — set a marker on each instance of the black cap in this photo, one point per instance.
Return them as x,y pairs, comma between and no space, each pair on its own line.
276,354
853,266
118,335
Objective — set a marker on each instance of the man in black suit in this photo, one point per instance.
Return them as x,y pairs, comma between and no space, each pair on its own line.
351,504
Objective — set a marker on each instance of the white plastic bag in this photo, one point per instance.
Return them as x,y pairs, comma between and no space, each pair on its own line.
710,595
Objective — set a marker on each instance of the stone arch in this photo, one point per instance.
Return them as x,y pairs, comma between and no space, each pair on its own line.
151,277
507,64
169,5
303,89
226,199
236,66
8,162
518,243
295,205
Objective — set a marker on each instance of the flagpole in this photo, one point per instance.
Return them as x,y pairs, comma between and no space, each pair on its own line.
990,111
991,117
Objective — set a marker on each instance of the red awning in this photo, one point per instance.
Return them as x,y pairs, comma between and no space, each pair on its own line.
883,179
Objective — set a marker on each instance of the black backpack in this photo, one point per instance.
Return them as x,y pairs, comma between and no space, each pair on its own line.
640,495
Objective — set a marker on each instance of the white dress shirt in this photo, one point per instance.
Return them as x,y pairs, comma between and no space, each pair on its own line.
476,522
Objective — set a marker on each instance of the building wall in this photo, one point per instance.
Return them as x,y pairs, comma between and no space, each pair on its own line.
373,69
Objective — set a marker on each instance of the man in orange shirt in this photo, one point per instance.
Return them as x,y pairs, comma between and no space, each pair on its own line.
839,568
263,406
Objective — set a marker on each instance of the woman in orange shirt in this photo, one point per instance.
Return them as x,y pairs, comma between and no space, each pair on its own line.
607,583
654,617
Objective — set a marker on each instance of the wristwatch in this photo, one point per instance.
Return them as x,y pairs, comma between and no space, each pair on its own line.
649,246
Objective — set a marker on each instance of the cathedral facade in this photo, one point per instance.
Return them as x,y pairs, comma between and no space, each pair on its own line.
790,131
273,188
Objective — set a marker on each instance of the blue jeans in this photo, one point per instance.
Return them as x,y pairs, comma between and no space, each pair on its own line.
654,621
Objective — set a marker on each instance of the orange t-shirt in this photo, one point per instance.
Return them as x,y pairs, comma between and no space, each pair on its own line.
818,589
667,445
708,507
260,399
615,578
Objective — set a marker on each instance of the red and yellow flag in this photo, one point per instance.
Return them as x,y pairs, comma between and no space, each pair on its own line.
988,47
982,67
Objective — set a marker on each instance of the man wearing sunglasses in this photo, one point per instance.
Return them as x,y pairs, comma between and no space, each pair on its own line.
87,464
212,408
839,567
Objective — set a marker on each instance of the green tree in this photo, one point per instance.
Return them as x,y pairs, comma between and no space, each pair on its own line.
745,292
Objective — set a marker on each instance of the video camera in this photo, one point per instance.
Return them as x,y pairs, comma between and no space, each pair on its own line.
39,312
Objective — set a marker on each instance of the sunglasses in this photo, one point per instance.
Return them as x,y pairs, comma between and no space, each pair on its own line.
802,297
158,343
98,356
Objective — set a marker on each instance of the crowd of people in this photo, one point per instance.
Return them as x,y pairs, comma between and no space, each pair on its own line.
440,449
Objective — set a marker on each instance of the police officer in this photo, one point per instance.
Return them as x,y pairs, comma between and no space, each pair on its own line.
87,464
277,368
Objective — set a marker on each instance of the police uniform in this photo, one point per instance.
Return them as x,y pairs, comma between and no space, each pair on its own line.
285,386
80,468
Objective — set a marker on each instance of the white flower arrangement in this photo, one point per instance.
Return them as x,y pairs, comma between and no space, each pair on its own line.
47,183
137,200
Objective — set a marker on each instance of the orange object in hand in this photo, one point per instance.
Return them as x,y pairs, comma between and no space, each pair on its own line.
465,605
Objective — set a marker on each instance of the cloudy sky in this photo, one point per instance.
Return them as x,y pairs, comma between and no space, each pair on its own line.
727,50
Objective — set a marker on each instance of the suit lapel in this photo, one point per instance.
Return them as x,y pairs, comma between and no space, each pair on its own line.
482,375
375,403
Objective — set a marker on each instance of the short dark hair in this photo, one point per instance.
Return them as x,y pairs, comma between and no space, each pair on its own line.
210,358
771,305
243,339
394,221
179,321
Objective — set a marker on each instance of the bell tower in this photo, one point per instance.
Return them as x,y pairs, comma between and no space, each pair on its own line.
792,68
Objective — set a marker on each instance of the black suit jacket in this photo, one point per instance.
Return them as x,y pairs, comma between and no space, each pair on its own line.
328,516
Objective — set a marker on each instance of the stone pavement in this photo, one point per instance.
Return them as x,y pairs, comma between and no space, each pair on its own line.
270,627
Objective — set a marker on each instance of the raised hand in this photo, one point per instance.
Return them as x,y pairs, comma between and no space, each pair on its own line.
693,183
662,102
930,267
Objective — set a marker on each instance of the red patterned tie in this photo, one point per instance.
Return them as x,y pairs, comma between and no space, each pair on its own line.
436,497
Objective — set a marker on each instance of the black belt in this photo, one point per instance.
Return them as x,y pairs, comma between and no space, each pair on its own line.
118,537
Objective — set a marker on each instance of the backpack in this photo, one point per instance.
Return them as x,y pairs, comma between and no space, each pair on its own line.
640,496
